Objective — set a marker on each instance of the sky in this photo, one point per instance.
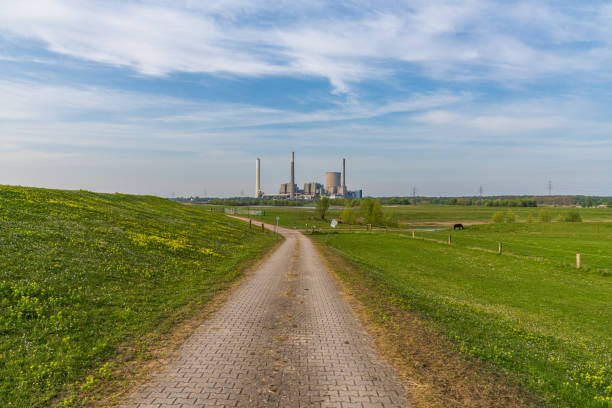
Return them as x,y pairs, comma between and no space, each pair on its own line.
180,97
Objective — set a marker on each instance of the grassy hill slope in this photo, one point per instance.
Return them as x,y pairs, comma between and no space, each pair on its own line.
84,274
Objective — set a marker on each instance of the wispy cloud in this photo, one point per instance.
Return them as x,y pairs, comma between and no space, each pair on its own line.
518,41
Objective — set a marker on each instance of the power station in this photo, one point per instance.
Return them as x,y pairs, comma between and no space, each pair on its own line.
335,186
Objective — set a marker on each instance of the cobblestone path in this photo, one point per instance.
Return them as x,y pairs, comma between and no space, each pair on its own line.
284,338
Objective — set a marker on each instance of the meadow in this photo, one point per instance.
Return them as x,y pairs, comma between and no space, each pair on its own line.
423,216
86,277
546,324
556,242
529,312
444,215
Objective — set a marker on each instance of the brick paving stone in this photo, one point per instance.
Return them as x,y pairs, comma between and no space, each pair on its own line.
284,338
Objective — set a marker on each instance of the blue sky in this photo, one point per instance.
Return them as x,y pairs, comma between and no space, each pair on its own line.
180,97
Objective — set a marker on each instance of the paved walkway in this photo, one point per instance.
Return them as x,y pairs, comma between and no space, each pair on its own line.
284,338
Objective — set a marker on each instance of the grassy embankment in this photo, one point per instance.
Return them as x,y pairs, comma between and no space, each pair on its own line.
86,278
547,326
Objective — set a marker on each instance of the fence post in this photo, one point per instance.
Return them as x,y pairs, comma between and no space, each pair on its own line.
250,224
412,234
262,227
449,239
499,248
577,261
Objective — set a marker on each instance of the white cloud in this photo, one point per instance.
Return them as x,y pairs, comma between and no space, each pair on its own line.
499,123
448,39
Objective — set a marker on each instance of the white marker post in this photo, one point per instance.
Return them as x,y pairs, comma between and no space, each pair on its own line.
333,224
577,261
276,229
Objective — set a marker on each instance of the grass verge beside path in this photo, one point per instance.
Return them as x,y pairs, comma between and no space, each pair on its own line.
547,326
87,278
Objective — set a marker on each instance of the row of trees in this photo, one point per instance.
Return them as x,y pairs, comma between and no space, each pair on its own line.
369,210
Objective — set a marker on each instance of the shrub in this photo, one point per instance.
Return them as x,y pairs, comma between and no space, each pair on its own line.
348,216
530,217
545,215
322,207
497,218
560,218
573,216
372,211
510,217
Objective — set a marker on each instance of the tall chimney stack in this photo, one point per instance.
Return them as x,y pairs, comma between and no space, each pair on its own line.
257,178
344,176
292,182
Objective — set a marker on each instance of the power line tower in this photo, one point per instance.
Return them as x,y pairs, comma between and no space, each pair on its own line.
413,192
549,187
480,191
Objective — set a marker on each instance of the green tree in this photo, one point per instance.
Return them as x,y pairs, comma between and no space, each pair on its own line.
377,213
510,217
497,218
609,204
348,216
573,216
545,215
371,211
322,207
588,203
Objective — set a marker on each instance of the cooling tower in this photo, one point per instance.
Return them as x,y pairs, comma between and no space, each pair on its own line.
332,182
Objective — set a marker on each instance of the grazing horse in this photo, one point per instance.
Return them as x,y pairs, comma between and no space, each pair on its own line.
458,226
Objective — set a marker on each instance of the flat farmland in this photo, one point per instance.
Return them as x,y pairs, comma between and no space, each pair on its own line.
545,324
424,216
444,215
556,242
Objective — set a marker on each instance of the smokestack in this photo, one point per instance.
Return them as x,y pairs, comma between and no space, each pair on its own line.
257,178
344,176
292,182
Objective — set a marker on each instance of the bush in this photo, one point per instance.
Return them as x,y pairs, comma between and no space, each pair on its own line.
348,216
545,216
322,207
573,216
497,218
510,217
372,211
560,218
530,217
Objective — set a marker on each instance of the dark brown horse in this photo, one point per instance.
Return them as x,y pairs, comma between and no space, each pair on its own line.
458,226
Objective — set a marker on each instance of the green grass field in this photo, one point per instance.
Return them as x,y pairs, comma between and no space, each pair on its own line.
556,242
546,324
85,275
423,216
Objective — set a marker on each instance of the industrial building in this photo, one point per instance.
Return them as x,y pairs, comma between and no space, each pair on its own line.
335,186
